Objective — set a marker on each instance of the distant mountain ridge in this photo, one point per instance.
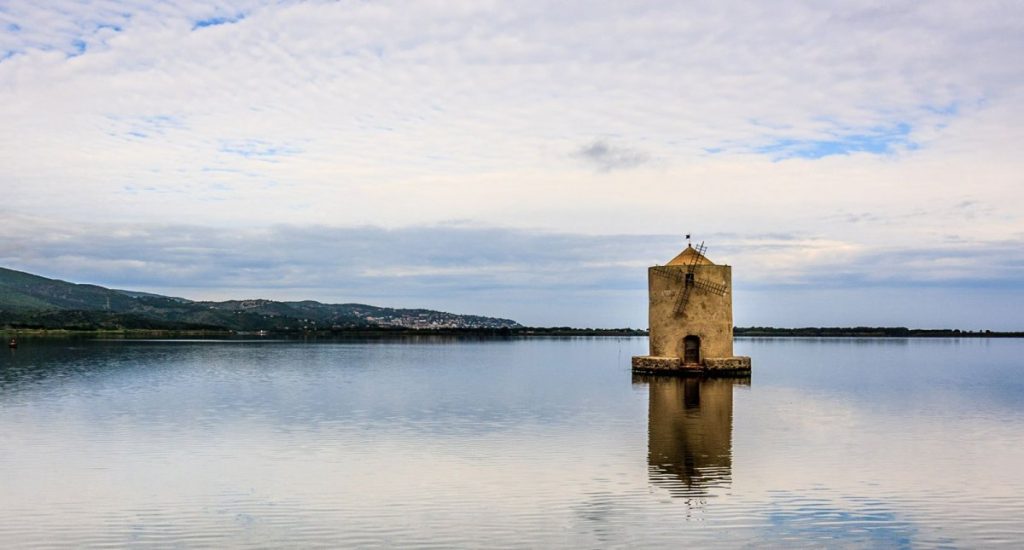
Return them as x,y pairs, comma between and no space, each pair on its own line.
32,301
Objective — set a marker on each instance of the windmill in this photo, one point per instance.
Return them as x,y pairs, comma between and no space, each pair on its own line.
688,280
685,337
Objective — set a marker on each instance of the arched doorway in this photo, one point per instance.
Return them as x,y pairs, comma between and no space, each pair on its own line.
691,349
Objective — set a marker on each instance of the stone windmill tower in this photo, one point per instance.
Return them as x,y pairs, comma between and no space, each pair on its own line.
690,317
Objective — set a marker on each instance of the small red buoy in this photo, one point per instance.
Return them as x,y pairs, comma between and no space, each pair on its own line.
13,343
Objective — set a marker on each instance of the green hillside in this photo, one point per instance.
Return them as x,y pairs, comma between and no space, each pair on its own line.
21,291
31,301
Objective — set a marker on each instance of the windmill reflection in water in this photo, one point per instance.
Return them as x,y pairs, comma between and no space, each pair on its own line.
689,427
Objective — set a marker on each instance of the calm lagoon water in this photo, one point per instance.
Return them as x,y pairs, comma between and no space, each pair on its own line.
509,443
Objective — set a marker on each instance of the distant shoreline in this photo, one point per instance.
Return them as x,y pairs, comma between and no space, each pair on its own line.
526,332
31,305
340,332
870,332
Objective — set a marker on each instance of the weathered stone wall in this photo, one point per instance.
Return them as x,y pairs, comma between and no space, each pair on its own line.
646,363
707,315
727,365
713,366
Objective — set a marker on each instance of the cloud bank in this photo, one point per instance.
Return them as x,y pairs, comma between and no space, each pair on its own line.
880,140
544,277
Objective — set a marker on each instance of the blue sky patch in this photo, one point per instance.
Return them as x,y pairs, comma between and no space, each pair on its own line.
78,47
214,21
879,141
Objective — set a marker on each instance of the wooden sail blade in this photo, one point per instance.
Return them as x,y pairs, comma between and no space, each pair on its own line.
710,287
682,300
673,273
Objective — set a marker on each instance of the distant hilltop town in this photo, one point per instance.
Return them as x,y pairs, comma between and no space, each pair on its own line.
428,319
32,302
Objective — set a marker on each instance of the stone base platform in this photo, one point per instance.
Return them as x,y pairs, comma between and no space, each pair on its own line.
712,366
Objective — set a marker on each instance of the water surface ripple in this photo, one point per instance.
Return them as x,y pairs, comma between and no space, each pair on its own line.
442,443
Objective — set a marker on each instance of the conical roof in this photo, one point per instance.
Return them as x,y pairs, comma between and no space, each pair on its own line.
686,258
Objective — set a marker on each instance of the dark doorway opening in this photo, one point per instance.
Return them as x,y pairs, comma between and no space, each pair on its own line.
691,349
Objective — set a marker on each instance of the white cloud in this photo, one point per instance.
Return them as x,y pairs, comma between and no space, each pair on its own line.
348,114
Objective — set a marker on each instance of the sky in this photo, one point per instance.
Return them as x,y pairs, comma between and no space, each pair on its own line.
857,163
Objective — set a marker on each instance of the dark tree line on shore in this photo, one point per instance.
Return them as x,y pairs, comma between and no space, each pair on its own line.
868,332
